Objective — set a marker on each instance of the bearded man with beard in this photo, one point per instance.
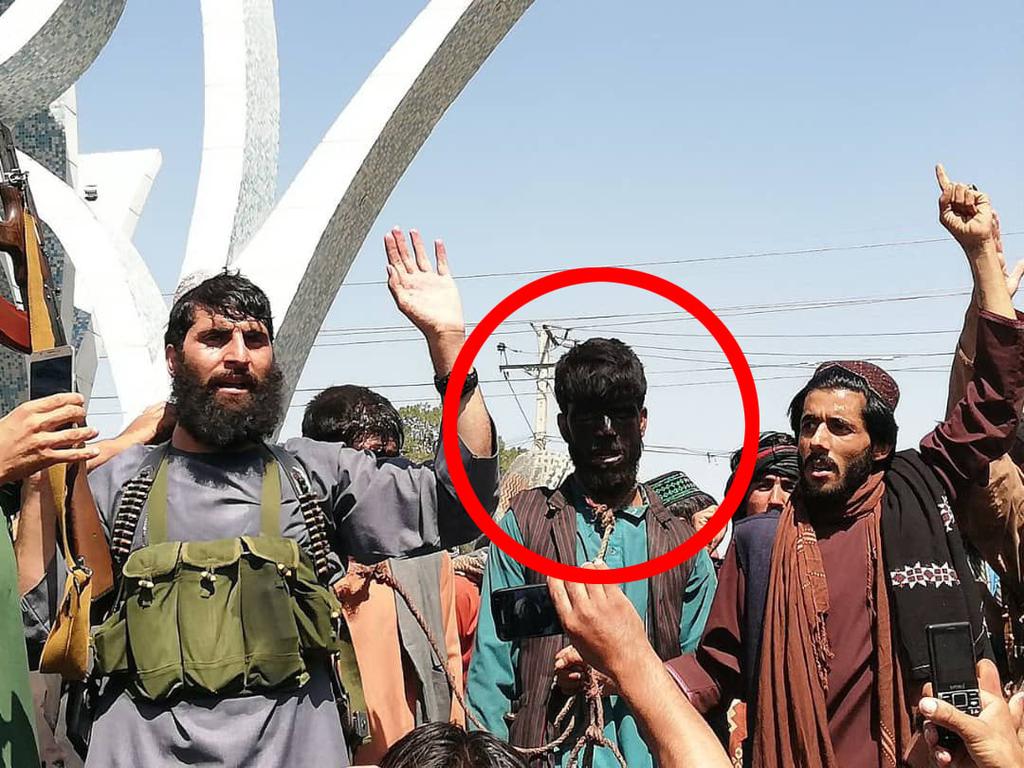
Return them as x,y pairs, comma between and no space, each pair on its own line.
599,509
218,650
820,620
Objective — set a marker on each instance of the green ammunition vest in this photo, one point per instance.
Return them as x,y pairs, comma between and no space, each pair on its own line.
227,617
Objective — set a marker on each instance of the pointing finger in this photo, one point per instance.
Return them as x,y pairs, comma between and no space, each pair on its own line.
943,179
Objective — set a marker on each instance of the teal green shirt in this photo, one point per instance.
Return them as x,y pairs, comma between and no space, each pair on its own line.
491,685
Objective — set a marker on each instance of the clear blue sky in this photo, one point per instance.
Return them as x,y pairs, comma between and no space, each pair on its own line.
615,133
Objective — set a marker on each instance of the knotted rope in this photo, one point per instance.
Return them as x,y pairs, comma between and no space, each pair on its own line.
590,699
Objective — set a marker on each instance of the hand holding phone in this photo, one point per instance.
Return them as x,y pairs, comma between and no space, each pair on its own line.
989,740
33,437
954,678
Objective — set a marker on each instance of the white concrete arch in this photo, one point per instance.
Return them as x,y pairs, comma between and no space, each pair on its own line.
46,45
113,281
238,173
326,213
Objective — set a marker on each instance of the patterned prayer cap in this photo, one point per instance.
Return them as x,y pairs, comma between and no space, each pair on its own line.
680,494
877,380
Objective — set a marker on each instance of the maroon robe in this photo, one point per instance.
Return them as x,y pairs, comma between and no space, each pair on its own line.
978,431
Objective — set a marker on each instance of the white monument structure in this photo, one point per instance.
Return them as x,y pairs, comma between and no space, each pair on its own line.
320,221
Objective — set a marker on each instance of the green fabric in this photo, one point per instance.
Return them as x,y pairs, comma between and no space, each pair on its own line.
491,687
17,723
270,502
217,617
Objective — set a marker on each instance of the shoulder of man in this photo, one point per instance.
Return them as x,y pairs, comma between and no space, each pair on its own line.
336,465
106,481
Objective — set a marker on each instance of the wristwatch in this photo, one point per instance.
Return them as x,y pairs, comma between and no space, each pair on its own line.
441,383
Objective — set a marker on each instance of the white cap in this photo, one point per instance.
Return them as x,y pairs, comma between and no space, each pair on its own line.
192,280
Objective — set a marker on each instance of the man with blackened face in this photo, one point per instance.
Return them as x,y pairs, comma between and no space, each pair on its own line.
600,513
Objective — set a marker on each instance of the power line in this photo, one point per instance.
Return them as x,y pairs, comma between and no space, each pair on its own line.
656,318
700,259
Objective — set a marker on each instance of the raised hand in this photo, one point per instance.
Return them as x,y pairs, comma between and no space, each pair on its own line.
39,434
427,297
966,212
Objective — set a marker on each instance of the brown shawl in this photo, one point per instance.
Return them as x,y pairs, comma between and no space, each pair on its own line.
792,722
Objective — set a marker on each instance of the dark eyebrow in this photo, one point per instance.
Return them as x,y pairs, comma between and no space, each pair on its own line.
214,332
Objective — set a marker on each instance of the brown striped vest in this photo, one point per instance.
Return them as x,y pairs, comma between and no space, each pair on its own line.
547,520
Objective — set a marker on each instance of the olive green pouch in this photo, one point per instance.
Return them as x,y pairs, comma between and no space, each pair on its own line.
210,616
273,646
150,614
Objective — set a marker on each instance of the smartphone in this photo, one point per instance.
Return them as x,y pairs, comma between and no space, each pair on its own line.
521,612
954,675
51,371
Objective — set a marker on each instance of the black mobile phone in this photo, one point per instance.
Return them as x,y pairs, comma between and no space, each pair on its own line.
954,675
521,612
51,372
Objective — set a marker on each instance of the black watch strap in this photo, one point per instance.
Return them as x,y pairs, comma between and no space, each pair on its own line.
441,383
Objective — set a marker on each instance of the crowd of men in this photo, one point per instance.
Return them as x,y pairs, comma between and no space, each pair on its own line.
328,601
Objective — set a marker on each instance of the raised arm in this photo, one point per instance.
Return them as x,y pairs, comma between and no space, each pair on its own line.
967,214
963,361
430,299
981,426
610,636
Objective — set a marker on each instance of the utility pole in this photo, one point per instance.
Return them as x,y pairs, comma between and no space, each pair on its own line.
543,372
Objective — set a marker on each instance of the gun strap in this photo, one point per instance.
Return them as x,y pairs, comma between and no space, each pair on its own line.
42,335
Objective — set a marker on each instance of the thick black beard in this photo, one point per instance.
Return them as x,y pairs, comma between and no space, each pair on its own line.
217,426
607,486
856,474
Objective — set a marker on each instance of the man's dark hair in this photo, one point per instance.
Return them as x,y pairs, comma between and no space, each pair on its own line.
443,745
228,294
349,414
878,417
600,371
